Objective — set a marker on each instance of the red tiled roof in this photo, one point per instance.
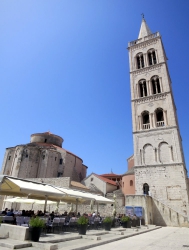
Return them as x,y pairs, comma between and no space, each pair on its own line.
106,180
78,184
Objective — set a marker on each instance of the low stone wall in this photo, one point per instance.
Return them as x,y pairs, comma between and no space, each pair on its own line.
15,232
166,216
143,201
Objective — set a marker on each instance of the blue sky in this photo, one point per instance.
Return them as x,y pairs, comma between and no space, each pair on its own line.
64,68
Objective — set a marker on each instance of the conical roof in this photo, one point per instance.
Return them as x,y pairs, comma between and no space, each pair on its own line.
144,29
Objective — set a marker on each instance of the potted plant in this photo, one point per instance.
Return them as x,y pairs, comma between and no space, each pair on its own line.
83,223
36,224
107,223
124,220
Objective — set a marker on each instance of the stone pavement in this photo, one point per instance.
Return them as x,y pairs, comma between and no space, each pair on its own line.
74,241
166,238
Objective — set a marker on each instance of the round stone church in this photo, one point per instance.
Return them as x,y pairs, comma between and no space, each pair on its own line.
43,157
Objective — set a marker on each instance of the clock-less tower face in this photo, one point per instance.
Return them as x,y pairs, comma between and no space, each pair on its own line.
158,154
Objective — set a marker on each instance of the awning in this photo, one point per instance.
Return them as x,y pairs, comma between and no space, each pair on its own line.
32,201
75,194
24,188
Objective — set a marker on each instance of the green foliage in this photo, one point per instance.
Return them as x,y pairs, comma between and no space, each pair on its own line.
107,220
82,220
125,219
36,222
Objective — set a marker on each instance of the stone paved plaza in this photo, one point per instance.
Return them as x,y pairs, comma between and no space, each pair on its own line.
169,238
166,238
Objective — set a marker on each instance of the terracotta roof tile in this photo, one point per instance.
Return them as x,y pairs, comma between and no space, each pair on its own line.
78,184
106,180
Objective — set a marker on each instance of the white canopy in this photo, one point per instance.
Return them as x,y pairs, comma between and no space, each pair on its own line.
24,188
31,201
84,195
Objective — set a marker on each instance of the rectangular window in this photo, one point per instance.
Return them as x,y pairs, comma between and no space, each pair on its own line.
55,158
9,157
60,161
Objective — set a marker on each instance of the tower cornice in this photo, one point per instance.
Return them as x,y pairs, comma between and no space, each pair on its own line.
143,42
158,165
155,97
147,69
154,129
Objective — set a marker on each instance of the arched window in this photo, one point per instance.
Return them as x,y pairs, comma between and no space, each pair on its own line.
155,85
131,183
140,61
145,120
165,153
148,154
146,189
159,118
152,57
142,88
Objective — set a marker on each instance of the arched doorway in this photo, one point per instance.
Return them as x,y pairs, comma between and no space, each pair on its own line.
145,188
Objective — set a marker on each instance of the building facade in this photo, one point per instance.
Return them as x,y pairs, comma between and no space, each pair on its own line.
158,155
43,157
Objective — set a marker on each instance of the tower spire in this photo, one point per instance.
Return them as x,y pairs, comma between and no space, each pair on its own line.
144,29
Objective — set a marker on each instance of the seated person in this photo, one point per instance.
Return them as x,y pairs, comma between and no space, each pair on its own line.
5,211
52,215
10,213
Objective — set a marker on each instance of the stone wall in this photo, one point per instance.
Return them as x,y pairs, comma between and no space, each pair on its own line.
166,183
155,212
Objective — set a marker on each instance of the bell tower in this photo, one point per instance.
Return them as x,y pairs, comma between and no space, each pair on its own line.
158,154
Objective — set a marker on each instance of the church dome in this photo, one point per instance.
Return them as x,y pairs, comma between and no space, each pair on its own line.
48,138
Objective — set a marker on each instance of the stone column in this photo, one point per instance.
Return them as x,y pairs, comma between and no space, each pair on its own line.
148,92
145,60
143,92
156,86
165,117
140,62
149,87
135,62
154,119
151,121
157,61
139,122
152,58
160,83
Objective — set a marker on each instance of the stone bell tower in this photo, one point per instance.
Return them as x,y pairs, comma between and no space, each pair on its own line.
158,155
